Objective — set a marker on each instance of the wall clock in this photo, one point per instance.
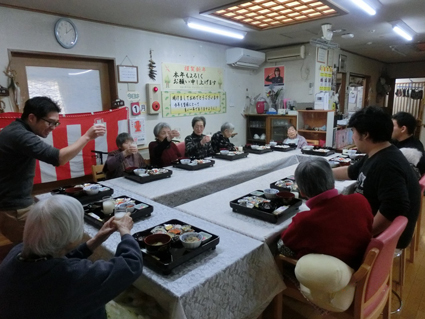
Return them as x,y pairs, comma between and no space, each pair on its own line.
66,33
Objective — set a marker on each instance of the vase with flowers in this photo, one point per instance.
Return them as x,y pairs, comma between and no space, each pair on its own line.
273,96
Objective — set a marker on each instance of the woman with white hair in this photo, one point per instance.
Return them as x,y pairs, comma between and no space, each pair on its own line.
220,140
49,275
336,225
163,151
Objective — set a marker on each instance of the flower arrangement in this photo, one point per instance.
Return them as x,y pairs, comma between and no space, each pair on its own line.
273,95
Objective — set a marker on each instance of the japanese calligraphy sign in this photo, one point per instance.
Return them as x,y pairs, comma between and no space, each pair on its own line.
190,77
192,103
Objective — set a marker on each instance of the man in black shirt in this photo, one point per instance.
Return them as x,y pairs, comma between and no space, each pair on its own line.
384,176
403,130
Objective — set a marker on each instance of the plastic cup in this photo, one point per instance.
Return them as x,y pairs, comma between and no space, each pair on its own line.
119,215
108,205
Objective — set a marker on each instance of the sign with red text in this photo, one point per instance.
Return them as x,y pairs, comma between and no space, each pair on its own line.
137,130
191,76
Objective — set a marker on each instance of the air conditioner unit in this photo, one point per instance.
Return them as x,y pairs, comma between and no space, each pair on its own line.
295,52
244,58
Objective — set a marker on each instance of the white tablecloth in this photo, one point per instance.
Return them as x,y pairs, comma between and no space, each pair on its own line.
185,186
216,208
236,280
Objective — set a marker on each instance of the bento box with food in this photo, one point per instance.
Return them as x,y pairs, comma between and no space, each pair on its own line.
85,193
273,207
99,212
141,175
172,243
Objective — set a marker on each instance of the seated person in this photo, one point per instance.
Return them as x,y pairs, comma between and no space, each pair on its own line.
384,176
335,225
126,156
295,138
163,151
220,140
197,144
403,130
49,275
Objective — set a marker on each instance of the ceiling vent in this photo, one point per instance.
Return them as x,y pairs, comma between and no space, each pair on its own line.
244,58
295,52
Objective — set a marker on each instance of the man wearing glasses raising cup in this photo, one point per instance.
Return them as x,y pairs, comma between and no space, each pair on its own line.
20,146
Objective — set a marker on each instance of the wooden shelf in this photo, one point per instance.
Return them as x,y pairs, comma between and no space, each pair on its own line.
312,131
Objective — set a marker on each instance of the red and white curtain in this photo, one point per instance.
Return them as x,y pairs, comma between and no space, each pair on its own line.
71,128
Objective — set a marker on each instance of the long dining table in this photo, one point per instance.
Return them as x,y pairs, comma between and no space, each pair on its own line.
239,278
184,186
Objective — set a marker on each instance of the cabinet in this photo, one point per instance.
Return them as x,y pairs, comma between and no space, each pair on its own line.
317,126
274,127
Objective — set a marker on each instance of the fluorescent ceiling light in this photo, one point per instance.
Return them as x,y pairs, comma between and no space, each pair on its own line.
215,28
403,30
365,7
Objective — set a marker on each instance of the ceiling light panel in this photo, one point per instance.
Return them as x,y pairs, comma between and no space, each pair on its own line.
269,14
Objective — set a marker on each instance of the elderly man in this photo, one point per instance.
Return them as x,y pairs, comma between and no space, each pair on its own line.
220,140
383,176
403,130
20,146
335,225
49,275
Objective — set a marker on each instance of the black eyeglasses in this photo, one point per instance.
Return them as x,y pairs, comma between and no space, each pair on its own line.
52,123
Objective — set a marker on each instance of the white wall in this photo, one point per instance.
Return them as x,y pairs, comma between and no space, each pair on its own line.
30,31
22,30
297,76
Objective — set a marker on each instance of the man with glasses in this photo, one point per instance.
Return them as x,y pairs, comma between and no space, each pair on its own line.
20,146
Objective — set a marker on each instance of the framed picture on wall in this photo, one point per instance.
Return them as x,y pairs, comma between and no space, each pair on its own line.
342,67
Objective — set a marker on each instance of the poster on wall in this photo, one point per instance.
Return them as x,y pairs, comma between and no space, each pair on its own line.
190,77
274,75
325,78
192,103
137,130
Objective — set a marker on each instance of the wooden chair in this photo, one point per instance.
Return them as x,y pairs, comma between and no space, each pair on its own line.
373,280
97,173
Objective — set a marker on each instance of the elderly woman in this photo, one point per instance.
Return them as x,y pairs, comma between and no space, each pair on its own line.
220,140
295,138
126,156
335,225
162,151
197,144
49,275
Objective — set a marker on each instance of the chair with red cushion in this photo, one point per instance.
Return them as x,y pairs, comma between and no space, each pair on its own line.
182,148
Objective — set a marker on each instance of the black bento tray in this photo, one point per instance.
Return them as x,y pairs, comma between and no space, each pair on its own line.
97,209
178,254
250,150
194,167
83,197
231,158
282,189
263,215
281,149
342,160
315,152
147,179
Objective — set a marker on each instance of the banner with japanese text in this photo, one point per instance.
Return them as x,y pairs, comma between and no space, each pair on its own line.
192,103
191,77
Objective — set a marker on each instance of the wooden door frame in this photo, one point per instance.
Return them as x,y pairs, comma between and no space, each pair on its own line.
109,84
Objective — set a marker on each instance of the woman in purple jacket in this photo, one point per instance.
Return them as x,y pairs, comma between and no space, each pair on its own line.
49,276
